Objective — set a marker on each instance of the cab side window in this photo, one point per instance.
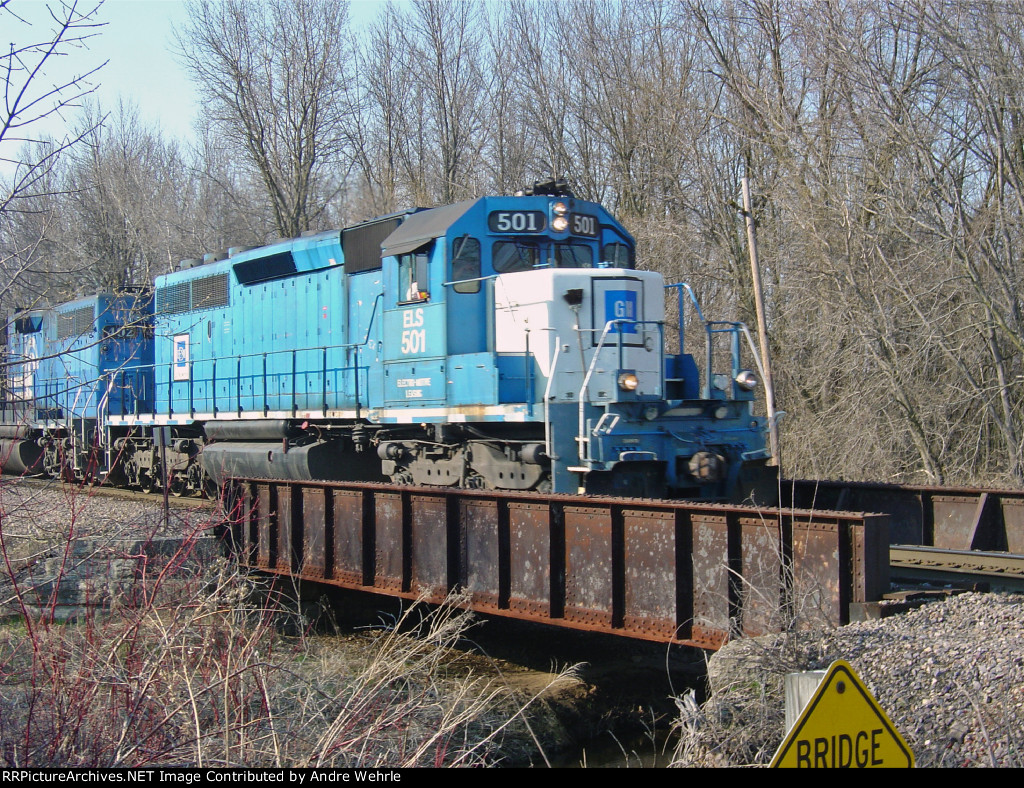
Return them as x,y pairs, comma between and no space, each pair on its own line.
466,264
413,284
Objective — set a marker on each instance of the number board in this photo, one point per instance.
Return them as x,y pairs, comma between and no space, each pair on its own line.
517,221
584,224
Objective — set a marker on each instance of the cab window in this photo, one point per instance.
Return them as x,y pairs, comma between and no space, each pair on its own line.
617,255
510,256
574,256
412,276
466,264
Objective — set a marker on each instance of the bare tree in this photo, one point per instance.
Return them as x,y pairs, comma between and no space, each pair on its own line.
444,36
385,131
275,77
36,92
127,190
32,95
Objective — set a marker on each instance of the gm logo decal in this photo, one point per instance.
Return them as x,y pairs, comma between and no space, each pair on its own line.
621,305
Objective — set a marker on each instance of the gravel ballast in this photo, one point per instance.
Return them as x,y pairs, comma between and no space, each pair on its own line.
950,676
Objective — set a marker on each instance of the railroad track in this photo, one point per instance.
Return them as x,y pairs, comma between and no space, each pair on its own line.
935,565
677,571
104,490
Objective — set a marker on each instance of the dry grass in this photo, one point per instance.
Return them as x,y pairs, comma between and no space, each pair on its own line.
189,668
743,720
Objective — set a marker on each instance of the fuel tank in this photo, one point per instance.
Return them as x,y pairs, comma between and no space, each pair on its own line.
20,457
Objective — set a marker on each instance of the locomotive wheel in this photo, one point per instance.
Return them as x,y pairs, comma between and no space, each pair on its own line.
176,486
146,483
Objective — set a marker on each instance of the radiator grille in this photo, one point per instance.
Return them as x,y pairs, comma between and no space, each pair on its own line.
75,323
206,293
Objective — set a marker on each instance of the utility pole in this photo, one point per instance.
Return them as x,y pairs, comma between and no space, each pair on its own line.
762,326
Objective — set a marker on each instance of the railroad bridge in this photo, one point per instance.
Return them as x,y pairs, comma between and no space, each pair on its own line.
669,571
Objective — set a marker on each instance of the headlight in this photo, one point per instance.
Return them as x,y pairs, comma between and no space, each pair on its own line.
628,381
746,380
560,209
560,224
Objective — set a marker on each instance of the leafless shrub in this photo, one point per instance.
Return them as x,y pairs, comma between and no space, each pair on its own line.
742,722
188,668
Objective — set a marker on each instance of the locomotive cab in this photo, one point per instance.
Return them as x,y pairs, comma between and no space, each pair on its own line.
519,336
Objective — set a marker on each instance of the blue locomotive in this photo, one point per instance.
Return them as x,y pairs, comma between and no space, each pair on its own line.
58,387
499,343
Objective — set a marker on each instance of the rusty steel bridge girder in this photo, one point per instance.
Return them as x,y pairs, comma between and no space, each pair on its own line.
667,571
950,518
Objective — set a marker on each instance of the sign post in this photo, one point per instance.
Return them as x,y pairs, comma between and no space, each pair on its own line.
843,727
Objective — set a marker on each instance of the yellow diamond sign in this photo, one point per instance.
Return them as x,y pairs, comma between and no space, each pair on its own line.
843,727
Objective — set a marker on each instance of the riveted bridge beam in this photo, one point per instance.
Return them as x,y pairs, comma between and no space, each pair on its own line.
667,571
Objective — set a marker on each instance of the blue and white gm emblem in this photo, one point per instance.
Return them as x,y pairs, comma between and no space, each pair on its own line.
620,305
181,357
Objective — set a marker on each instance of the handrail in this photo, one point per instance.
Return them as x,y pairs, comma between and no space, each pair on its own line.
547,397
710,328
584,442
294,372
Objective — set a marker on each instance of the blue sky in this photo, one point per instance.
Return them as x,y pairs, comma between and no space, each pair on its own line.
136,38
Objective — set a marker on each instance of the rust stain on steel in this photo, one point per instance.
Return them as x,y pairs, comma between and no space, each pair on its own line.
266,533
817,596
711,609
429,545
348,552
482,541
870,559
956,520
588,566
246,503
315,556
649,573
288,548
760,582
668,571
530,559
1013,522
389,544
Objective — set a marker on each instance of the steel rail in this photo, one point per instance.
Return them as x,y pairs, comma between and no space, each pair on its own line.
962,562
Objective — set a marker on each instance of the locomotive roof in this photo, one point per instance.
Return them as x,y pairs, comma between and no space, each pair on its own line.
423,227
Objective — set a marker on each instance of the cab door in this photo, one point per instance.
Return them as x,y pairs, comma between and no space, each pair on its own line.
414,331
467,298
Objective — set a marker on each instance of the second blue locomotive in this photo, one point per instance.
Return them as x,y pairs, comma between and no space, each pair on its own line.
498,343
